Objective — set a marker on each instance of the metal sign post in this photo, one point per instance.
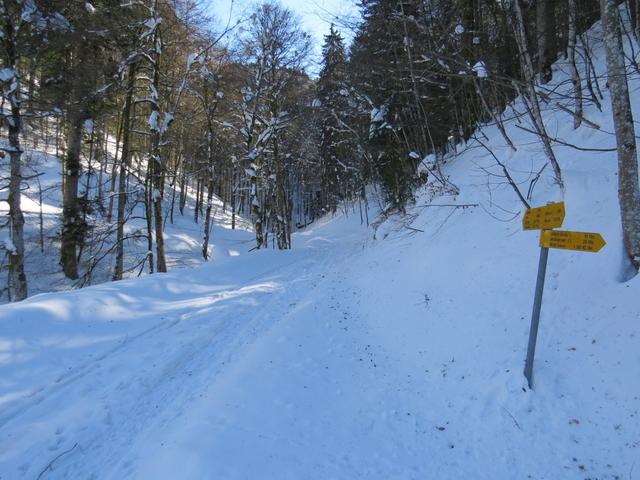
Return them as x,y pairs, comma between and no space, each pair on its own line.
545,219
535,316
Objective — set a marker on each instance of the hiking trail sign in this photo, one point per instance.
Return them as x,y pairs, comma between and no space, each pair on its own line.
549,216
545,219
581,241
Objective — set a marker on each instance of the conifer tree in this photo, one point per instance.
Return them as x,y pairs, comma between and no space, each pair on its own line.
333,95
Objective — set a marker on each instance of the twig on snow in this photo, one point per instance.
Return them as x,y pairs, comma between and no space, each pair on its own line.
50,464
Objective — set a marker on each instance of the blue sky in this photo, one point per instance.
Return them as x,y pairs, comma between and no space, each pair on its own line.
316,15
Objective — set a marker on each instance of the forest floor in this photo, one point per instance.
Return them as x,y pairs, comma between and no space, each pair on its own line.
387,352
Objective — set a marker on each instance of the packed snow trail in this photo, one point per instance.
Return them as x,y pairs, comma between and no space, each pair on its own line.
336,360
153,376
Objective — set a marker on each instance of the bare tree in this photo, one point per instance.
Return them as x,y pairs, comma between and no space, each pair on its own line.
532,96
15,18
276,49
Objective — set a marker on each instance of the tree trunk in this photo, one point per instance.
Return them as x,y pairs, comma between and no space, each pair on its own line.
118,270
161,260
575,76
634,14
156,164
114,171
207,220
148,213
183,190
70,215
199,188
233,196
17,276
529,80
547,41
278,198
256,211
628,188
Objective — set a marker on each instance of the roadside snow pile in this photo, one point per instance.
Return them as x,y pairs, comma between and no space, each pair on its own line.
351,357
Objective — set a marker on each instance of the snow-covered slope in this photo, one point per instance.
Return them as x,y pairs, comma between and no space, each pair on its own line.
375,354
42,208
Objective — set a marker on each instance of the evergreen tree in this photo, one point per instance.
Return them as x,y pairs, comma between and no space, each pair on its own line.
380,68
333,95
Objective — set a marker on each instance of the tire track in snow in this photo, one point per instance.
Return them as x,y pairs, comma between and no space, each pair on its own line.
198,350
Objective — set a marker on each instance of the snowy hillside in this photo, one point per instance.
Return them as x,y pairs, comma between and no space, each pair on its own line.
42,207
390,352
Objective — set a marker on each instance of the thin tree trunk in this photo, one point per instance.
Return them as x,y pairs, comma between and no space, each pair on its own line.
529,78
156,165
634,14
196,210
114,171
71,226
233,197
183,190
547,41
161,260
207,220
575,76
118,270
17,276
102,160
87,189
148,211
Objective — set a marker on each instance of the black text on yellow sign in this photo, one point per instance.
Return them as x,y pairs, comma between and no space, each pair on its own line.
581,241
541,218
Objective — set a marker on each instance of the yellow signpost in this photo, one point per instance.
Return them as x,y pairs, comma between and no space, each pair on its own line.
582,241
549,216
545,218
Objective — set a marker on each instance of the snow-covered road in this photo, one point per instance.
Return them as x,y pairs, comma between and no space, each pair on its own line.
338,359
152,399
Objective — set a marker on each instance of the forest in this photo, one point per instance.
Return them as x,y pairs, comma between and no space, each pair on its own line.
144,102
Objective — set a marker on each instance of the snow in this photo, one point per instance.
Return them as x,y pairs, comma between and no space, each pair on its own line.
168,118
88,126
377,122
153,120
152,23
480,69
29,11
191,58
7,74
378,114
374,353
7,244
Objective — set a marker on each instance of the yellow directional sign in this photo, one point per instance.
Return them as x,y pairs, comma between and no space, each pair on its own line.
541,218
582,241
